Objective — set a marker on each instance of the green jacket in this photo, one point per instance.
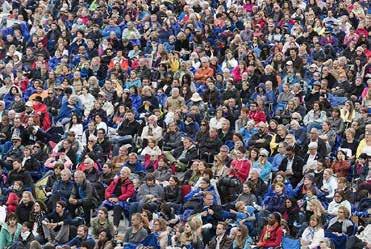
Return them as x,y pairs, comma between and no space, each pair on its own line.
6,239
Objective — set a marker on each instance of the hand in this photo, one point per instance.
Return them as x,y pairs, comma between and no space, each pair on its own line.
204,213
73,201
210,211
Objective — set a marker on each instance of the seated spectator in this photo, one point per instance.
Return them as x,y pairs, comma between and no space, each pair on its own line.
10,231
24,207
183,155
82,239
56,224
272,233
101,223
221,239
82,195
337,202
263,166
329,184
341,165
136,233
313,234
118,194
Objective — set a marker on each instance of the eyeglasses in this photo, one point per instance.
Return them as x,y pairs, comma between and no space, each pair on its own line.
38,147
263,155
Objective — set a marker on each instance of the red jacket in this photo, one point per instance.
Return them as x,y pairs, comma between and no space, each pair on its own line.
274,239
240,169
257,116
127,189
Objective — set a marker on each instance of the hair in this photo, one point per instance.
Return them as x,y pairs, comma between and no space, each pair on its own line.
61,203
11,216
345,210
86,229
317,218
104,210
240,240
162,223
29,195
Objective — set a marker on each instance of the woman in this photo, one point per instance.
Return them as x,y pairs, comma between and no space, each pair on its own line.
24,208
329,183
263,165
198,169
278,138
172,192
313,234
347,113
10,231
350,143
75,125
314,207
341,165
254,155
242,239
190,236
315,117
339,228
104,240
337,202
87,100
290,213
161,232
219,169
136,233
36,217
151,153
240,166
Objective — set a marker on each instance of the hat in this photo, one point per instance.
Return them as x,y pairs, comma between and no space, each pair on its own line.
313,145
29,104
289,63
264,152
196,97
313,66
16,137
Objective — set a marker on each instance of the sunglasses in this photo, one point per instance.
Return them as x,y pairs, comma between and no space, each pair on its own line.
263,155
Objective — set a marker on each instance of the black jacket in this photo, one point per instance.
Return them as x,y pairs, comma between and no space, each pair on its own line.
173,195
225,243
297,169
22,176
190,155
128,128
23,212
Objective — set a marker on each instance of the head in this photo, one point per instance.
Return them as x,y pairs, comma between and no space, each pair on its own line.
79,177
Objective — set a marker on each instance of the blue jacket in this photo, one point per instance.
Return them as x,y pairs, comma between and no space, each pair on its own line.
62,189
66,111
77,241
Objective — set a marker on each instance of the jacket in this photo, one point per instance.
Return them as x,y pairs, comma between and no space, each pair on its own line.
341,168
190,154
240,169
203,74
297,169
77,241
22,176
62,189
127,189
23,211
275,236
225,243
85,194
5,238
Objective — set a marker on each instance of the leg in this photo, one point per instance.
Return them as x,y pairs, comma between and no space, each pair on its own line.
117,212
63,234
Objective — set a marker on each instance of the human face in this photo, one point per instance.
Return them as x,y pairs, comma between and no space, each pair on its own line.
26,198
271,219
12,222
313,222
101,215
81,232
124,174
59,208
208,200
79,178
102,236
220,230
65,176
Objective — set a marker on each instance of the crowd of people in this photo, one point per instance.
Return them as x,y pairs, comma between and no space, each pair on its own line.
194,124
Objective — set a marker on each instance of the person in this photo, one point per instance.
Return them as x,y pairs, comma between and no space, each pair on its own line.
313,234
25,237
340,227
24,207
242,239
337,202
81,238
10,231
291,166
221,239
118,193
329,183
136,233
82,195
104,240
101,223
272,233
56,225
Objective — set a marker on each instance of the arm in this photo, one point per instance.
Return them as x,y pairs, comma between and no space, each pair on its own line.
277,241
128,193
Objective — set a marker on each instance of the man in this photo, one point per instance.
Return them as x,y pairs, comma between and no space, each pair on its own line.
311,159
314,137
184,155
82,196
19,174
261,139
149,193
292,166
82,237
56,224
118,193
204,72
221,239
210,146
211,214
175,101
126,131
225,133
